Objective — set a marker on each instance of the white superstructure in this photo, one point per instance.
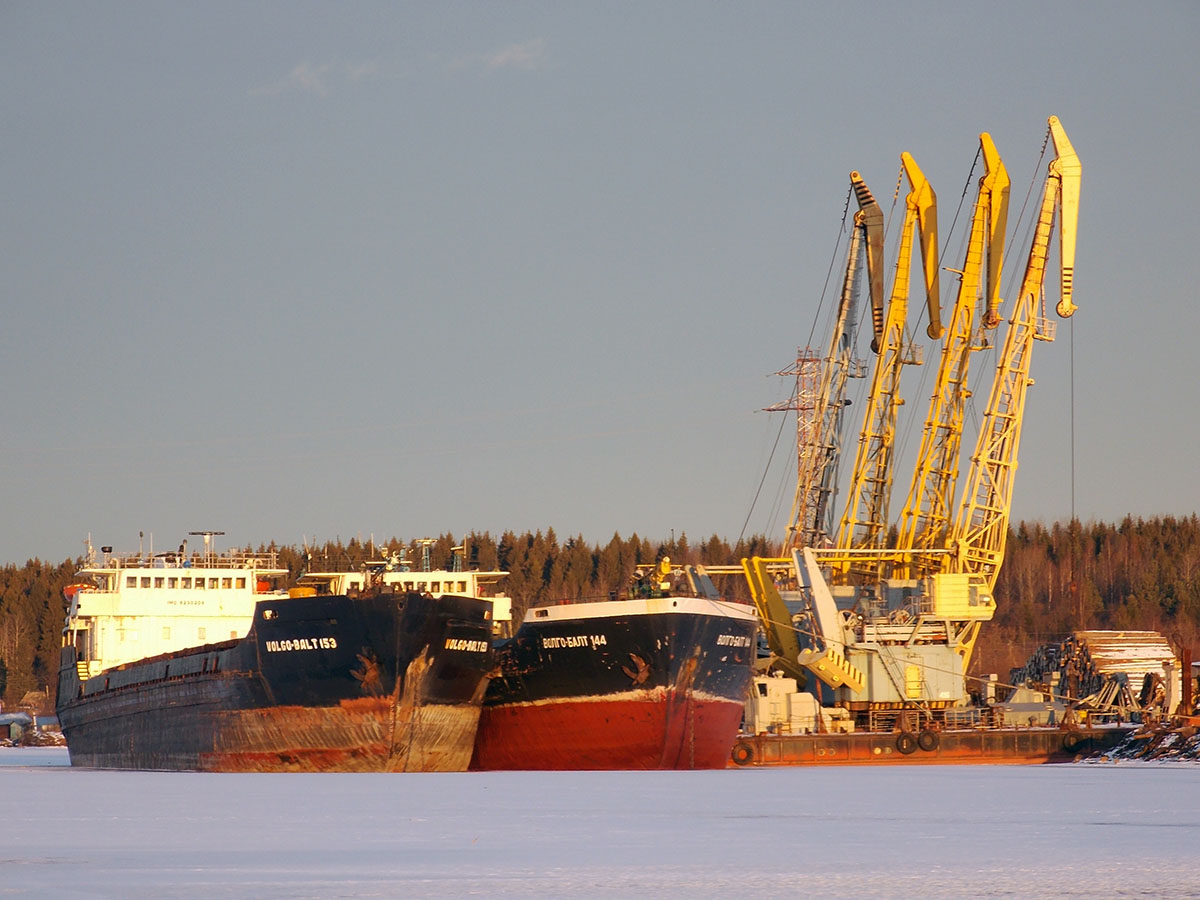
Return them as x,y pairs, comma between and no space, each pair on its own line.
127,607
400,577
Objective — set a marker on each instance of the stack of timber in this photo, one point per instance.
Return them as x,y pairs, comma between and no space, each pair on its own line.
1108,672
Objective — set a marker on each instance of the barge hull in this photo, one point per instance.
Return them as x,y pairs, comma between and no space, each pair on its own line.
1000,746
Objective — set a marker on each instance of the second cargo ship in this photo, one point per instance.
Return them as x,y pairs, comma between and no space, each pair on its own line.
656,681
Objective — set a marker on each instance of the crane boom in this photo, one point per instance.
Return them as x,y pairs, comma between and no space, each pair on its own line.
995,184
820,449
981,528
865,520
925,520
872,219
1070,177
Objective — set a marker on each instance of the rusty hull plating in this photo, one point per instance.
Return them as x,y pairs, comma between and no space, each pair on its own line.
625,684
379,682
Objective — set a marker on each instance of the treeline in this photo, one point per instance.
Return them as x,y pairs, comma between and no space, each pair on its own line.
541,568
1139,574
32,613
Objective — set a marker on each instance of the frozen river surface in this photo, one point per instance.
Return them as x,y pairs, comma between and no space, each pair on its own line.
1124,830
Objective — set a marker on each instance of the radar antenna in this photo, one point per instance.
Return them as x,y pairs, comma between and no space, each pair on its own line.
208,536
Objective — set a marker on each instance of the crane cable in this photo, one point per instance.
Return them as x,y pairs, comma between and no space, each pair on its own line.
812,331
1071,345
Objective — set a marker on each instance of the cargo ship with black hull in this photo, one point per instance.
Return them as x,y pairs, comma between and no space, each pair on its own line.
373,680
656,681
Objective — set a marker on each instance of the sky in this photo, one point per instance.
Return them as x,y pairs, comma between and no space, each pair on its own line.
301,271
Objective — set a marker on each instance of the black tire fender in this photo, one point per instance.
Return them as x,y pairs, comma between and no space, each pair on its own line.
928,740
1073,741
743,754
906,742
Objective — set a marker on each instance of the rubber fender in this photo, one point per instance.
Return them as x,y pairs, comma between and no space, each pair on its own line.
1073,741
906,742
743,754
928,740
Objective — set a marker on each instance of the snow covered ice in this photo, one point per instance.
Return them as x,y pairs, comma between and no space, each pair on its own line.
904,831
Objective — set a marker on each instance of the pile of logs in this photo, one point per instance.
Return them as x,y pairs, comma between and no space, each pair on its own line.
1099,672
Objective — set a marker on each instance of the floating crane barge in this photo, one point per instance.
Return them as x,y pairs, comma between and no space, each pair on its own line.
871,622
991,746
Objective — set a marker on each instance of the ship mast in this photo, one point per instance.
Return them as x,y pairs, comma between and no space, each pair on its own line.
208,536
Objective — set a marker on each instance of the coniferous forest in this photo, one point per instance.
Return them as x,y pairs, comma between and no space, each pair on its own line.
1138,574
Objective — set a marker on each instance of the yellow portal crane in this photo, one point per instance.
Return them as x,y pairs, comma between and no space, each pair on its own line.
884,645
982,524
865,520
924,523
819,426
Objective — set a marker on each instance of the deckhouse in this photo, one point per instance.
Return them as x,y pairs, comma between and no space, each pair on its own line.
127,607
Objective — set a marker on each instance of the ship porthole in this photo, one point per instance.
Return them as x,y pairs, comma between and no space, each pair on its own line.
743,754
905,742
928,740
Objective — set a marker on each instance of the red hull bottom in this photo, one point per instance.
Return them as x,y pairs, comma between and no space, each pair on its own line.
651,732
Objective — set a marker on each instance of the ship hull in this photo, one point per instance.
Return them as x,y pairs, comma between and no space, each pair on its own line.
384,682
650,684
991,746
